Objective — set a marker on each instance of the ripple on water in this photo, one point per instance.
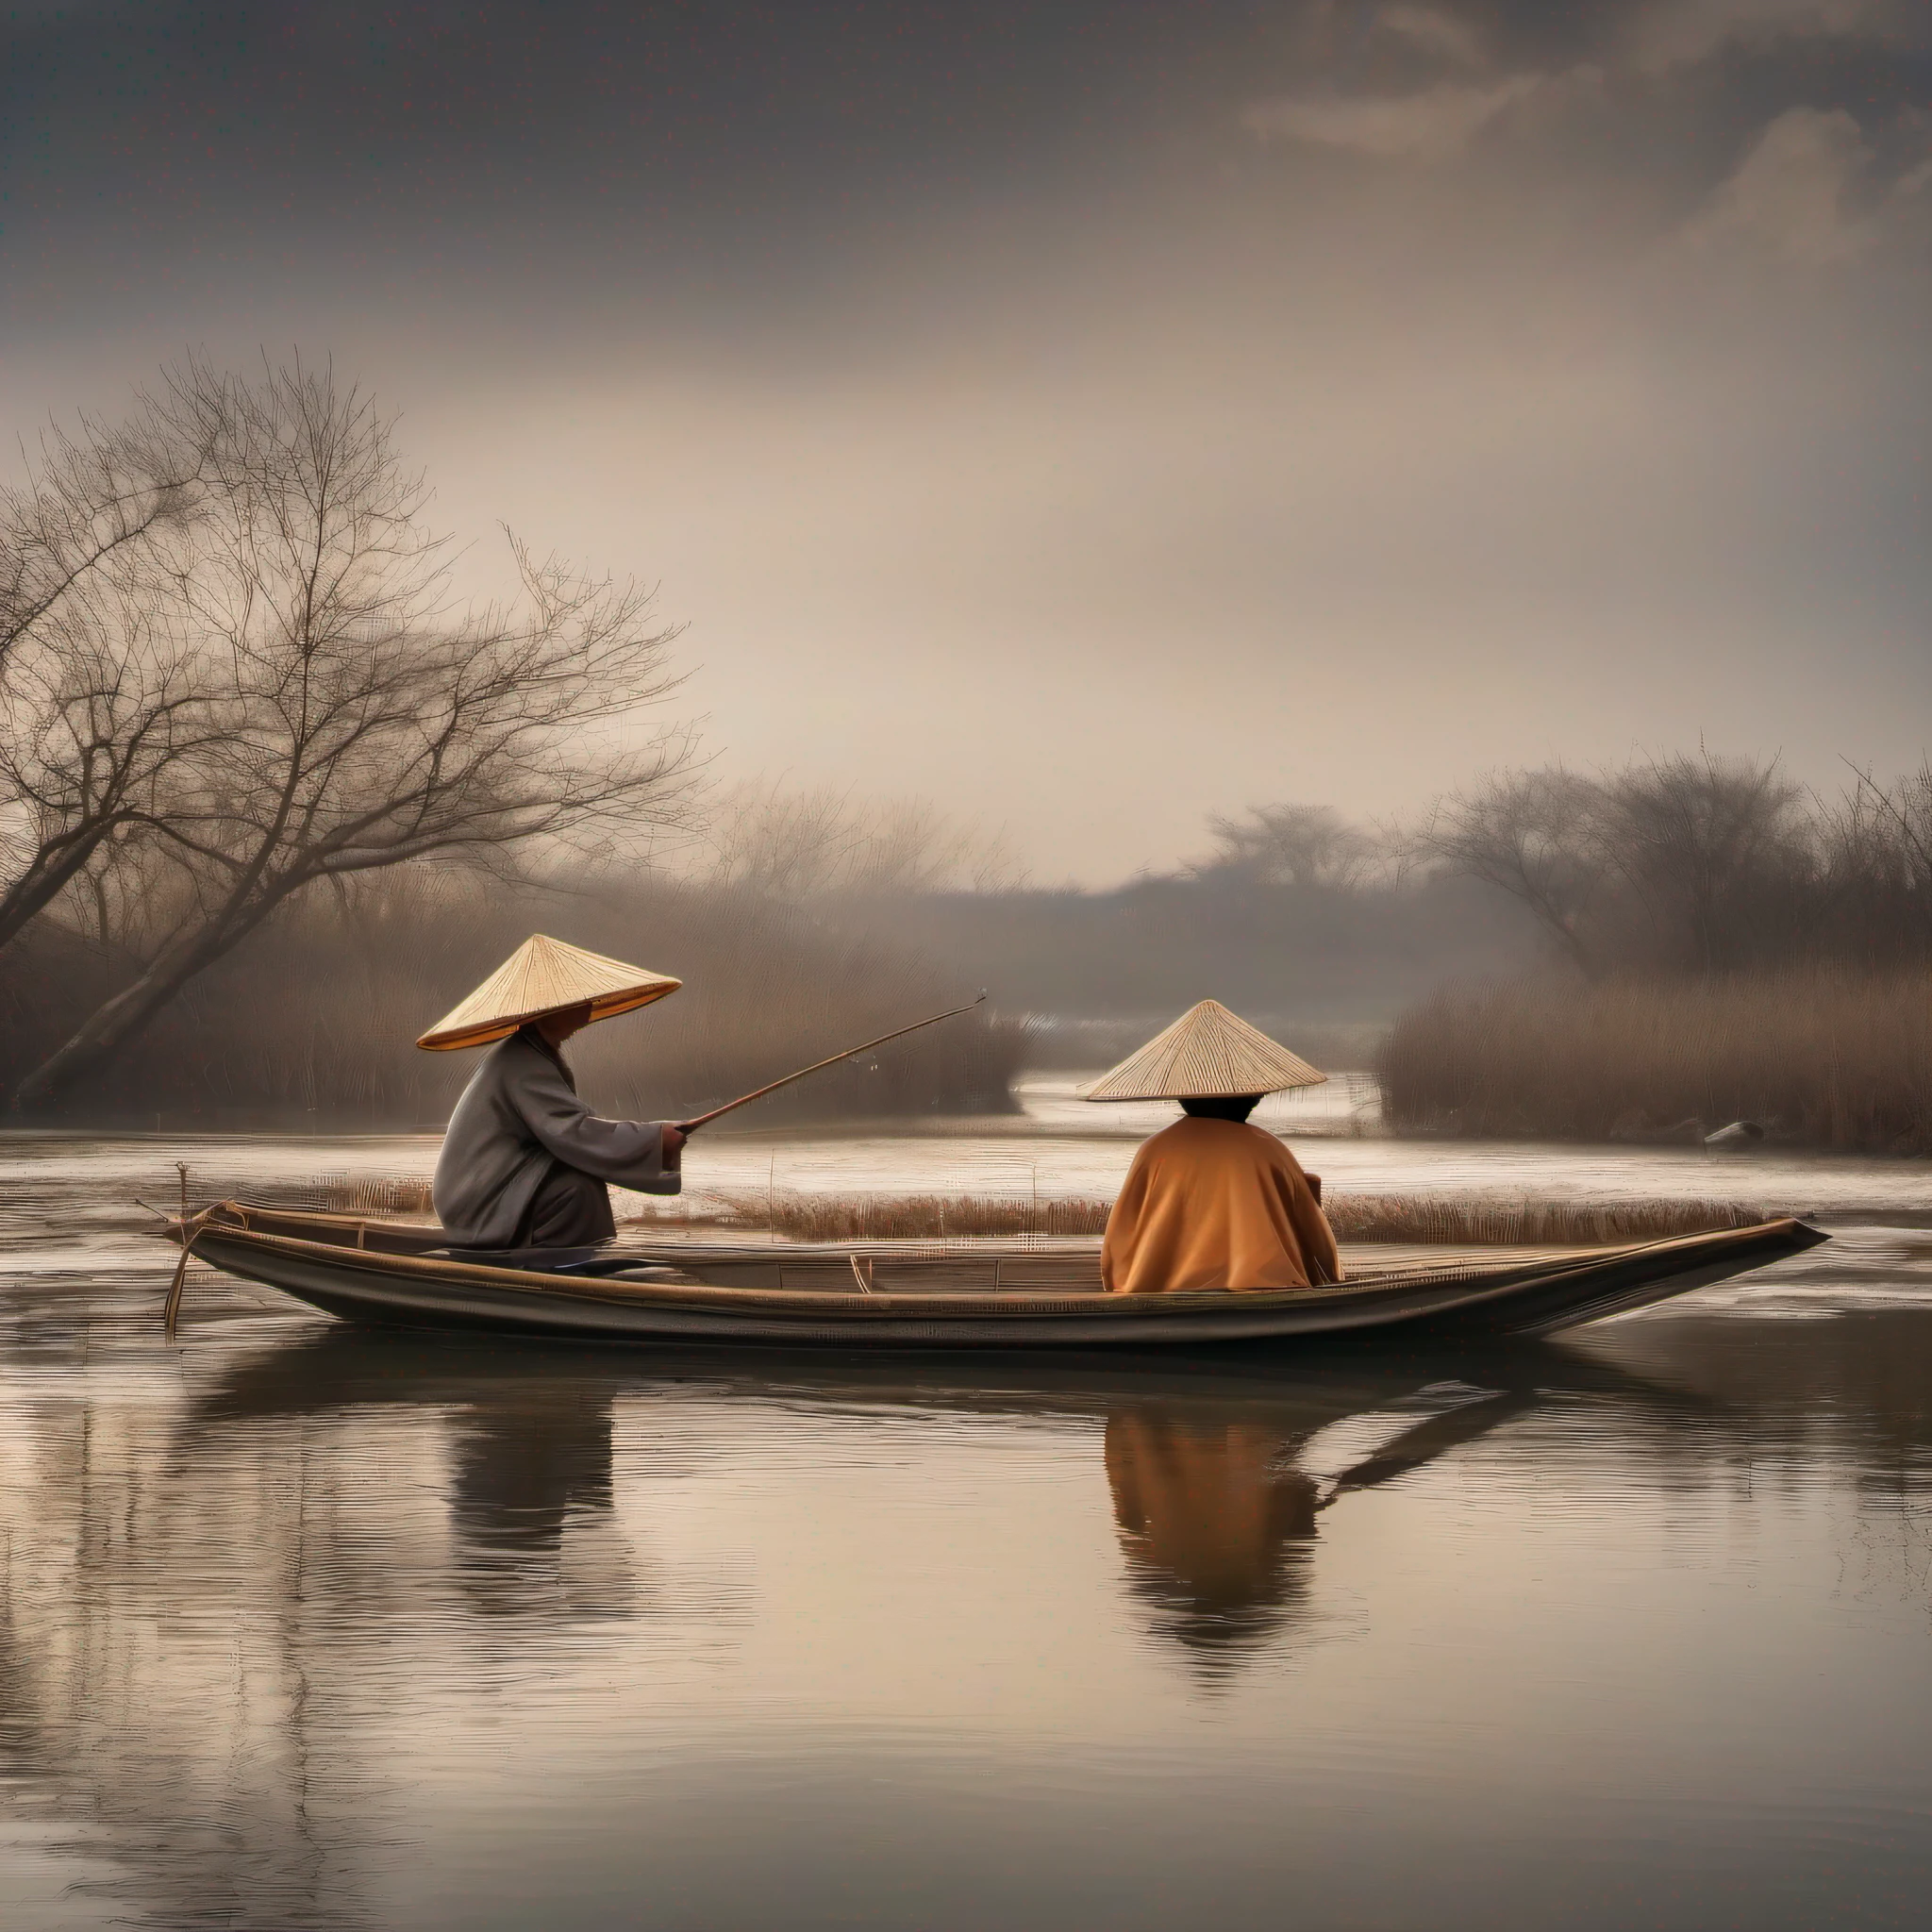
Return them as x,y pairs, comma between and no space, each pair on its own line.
303,1626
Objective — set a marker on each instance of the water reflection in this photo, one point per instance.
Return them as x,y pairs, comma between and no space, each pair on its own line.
1217,1533
531,1489
1216,1477
1217,1511
262,1654
174,1727
523,1470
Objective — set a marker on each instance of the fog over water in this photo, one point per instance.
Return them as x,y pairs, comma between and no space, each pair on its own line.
1088,421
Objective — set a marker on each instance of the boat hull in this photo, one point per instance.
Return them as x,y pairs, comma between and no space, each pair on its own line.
372,1282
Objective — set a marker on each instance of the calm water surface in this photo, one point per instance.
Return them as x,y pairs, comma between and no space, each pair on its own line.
306,1628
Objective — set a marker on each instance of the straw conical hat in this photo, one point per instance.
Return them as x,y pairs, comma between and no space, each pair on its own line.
1206,1053
538,978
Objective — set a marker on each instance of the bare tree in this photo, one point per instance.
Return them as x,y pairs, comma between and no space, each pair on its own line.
1681,864
768,840
1535,835
355,722
93,497
98,695
1709,846
821,843
908,846
1879,844
102,708
1292,845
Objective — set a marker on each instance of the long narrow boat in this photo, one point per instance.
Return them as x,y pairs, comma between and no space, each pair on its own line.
984,1294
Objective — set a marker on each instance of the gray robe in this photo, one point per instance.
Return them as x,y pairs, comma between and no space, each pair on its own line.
520,1120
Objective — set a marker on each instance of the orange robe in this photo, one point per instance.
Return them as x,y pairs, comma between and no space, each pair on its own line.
1216,1204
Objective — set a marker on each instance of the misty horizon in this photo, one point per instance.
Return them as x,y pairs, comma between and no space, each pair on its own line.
1090,425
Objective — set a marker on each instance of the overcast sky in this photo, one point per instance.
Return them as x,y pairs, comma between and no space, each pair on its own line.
1087,416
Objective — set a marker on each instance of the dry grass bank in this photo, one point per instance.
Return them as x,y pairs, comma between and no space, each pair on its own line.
1824,1058
817,1217
1355,1217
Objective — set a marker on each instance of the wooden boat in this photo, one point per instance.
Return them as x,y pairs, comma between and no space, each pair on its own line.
921,1295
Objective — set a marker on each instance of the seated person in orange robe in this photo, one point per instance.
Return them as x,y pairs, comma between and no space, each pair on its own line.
1212,1202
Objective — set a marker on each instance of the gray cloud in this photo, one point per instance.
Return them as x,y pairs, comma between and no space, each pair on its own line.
1432,124
1675,33
1813,191
1795,193
1432,31
1086,417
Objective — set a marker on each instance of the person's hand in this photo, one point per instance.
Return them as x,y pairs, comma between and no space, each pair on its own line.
675,1139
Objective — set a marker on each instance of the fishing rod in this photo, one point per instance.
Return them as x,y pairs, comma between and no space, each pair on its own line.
832,1060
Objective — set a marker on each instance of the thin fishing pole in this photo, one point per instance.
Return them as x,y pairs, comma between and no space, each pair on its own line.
692,1126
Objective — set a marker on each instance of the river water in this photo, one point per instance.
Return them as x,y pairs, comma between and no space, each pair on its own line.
302,1627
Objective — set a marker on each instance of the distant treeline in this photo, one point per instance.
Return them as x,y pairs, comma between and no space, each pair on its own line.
1671,867
272,799
1293,916
1337,960
1728,945
1699,866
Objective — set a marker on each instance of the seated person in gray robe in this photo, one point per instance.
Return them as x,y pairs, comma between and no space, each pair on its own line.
525,1163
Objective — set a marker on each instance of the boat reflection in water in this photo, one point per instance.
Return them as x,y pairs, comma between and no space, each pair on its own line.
528,1466
371,1612
1217,1534
529,1441
1218,1512
1217,1479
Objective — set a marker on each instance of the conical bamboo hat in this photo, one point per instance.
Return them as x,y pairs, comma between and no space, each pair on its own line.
1206,1053
538,978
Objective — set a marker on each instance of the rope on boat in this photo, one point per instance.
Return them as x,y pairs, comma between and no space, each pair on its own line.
190,1231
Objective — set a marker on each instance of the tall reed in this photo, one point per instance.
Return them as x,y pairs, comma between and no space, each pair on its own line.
1407,1218
313,1024
1820,1056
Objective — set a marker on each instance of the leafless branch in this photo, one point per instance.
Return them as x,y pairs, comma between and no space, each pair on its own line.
318,710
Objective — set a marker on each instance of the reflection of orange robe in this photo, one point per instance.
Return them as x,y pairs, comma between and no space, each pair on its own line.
1216,1204
1204,1504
